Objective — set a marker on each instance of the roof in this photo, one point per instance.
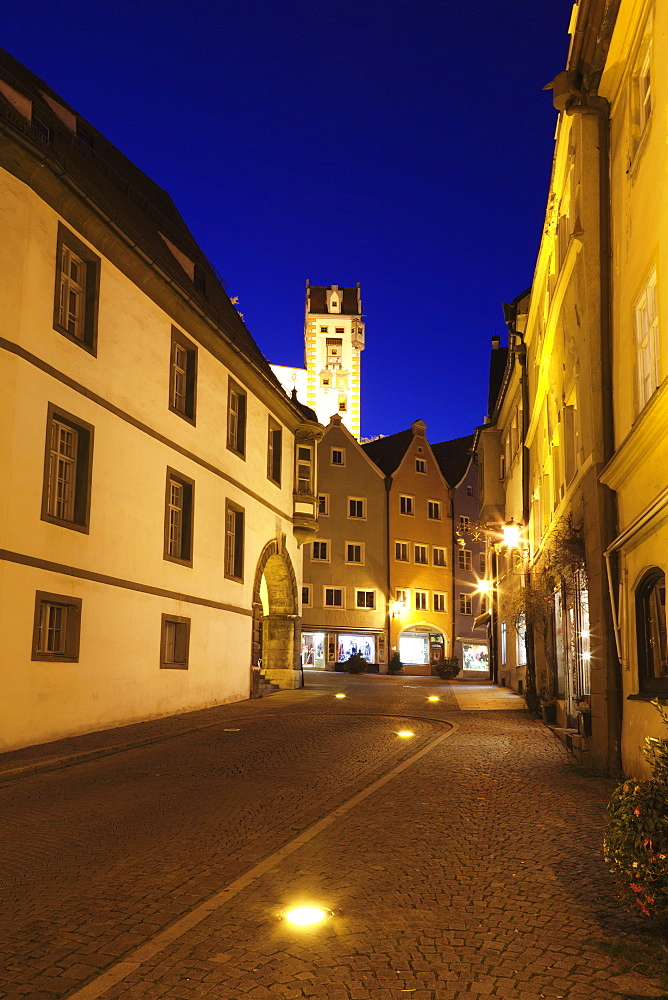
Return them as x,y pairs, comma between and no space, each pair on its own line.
316,299
133,203
453,458
498,363
387,452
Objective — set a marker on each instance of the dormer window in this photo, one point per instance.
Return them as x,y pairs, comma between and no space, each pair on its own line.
199,280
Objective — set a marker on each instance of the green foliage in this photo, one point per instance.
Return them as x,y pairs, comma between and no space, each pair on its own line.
636,832
448,669
355,664
395,664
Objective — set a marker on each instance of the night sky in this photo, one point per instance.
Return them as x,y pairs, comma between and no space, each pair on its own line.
404,144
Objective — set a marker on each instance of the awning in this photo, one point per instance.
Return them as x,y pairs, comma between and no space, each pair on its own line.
481,620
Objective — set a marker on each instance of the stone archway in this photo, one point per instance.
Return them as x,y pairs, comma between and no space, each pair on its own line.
276,621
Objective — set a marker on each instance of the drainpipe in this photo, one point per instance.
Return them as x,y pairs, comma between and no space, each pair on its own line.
388,487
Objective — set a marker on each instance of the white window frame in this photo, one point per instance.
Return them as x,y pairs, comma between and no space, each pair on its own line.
398,542
318,558
434,510
465,604
439,597
648,359
434,550
408,502
342,453
423,551
357,517
464,560
308,590
365,607
355,562
334,590
421,600
421,466
323,497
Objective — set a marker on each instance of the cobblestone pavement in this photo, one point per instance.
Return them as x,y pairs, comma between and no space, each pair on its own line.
463,861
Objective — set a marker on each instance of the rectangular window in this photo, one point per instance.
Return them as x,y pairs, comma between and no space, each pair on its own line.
234,542
77,290
320,550
274,451
647,343
440,601
402,597
356,507
401,551
420,554
236,418
365,598
504,640
323,503
334,351
342,404
421,600
439,557
406,505
469,491
641,95
183,376
355,552
420,465
464,522
174,643
465,607
56,628
464,559
68,464
333,597
482,557
305,485
434,510
306,596
338,456
179,518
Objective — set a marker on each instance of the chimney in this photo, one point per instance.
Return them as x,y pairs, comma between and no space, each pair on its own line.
496,342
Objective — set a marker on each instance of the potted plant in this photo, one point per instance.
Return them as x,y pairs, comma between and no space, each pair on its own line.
448,669
355,664
395,665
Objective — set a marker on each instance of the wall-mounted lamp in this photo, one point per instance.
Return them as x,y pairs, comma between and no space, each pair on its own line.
511,534
397,608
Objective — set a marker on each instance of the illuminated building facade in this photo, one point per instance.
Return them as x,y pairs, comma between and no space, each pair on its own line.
157,482
333,341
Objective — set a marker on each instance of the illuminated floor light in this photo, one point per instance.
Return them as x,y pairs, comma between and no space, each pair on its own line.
307,916
433,697
405,733
339,695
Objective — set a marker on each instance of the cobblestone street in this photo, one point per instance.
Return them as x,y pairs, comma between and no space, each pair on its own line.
463,861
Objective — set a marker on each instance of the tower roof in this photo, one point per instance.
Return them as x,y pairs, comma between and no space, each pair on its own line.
316,299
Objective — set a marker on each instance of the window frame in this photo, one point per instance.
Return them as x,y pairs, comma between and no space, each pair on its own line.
421,466
423,551
180,341
321,541
365,607
465,560
397,543
83,470
439,597
239,546
648,684
465,601
334,590
357,500
342,453
323,501
409,505
435,562
355,562
421,600
182,629
649,345
72,636
305,463
236,435
434,508
274,451
307,590
188,512
91,295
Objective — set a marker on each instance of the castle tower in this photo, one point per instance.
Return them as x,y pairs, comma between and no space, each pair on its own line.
333,341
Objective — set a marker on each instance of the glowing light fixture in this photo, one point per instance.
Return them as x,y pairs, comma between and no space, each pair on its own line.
405,733
307,916
396,608
484,586
433,697
339,695
511,534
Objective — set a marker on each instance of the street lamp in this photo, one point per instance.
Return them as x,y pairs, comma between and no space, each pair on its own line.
511,534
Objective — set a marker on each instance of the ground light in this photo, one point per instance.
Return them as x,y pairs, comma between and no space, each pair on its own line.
339,695
307,916
433,697
405,733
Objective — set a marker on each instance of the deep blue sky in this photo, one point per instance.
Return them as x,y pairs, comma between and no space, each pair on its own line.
404,144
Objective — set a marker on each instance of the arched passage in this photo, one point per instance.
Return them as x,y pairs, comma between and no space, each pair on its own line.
276,622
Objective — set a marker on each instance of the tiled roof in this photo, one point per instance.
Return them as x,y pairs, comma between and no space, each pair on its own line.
497,369
453,458
387,452
134,203
317,300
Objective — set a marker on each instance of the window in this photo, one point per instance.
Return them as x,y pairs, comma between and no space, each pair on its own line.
464,522
465,604
41,128
56,627
502,467
320,550
179,518
647,342
482,561
323,329
402,597
338,456
434,510
68,464
325,380
199,279
342,404
420,600
323,503
338,329
306,596
464,559
174,643
440,601
333,597
274,451
77,290
355,552
305,484
651,632
420,465
420,554
439,557
641,94
365,599
334,351
483,605
234,542
504,642
401,551
469,491
236,418
356,507
183,376
406,505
